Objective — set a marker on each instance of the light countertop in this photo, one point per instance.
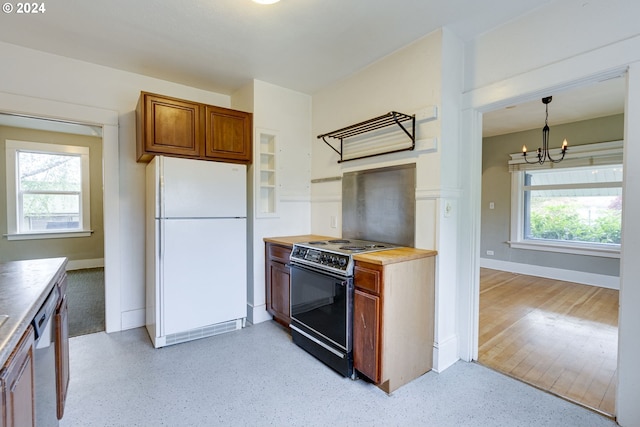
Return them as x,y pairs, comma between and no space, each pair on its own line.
24,286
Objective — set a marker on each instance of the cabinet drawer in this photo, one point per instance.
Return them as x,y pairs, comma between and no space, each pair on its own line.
280,253
368,277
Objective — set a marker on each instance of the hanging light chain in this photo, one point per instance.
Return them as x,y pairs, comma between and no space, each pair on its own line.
543,152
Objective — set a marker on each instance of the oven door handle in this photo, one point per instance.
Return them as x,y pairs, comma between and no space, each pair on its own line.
344,280
317,341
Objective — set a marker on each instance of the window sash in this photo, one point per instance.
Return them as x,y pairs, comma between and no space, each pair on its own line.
15,207
611,153
24,225
586,186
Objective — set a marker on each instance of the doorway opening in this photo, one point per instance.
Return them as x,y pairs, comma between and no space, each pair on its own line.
548,318
53,205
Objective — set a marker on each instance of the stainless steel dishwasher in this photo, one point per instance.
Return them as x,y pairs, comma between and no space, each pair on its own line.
45,362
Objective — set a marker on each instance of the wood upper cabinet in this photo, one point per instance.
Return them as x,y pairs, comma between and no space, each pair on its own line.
278,281
17,379
393,321
175,127
228,134
168,126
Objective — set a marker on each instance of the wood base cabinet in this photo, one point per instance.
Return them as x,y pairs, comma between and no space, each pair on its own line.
393,321
278,282
176,127
62,346
17,378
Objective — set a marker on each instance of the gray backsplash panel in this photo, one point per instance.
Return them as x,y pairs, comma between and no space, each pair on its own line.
380,204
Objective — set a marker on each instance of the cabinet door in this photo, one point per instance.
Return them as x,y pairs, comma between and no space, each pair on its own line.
228,135
278,298
62,354
17,380
366,334
171,126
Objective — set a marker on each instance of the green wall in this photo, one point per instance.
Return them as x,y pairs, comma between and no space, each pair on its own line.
77,248
496,188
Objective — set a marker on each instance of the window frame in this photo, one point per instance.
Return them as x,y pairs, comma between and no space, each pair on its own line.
12,148
591,155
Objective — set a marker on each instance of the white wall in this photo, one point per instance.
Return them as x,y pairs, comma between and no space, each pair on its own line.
287,114
50,77
406,81
559,46
547,35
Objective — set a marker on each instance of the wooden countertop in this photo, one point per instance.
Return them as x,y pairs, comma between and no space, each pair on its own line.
290,240
395,255
24,286
388,256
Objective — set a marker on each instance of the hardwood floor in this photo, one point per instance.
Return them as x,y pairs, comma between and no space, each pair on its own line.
558,336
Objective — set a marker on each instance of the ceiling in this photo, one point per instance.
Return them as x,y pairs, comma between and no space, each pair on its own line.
304,45
221,45
601,99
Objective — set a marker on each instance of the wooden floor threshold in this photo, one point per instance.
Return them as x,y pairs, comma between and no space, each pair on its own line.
568,399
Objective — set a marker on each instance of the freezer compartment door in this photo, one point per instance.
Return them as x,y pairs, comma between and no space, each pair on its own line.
202,189
204,273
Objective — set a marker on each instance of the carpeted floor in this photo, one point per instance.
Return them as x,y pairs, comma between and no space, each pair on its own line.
85,293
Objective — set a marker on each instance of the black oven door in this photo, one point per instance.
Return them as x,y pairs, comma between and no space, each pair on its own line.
321,315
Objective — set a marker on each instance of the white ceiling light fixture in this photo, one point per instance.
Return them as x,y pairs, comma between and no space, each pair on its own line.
266,1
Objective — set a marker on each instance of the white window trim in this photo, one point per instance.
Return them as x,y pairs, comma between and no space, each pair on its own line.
12,147
606,150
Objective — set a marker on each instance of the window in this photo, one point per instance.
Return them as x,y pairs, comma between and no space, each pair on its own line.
47,190
574,206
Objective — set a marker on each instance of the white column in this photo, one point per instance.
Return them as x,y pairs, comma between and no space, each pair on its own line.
628,409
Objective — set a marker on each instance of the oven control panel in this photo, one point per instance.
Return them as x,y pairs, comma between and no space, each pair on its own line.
320,258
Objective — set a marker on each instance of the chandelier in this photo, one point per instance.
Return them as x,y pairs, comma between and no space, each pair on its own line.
543,153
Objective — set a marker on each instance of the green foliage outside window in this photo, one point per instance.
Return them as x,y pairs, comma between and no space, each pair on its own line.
564,222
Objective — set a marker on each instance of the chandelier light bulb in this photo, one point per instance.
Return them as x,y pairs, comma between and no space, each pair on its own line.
542,153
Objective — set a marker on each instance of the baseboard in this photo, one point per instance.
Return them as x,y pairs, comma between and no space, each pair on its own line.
592,279
257,314
133,319
80,264
445,353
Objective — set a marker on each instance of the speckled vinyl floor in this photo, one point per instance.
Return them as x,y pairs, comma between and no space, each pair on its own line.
258,377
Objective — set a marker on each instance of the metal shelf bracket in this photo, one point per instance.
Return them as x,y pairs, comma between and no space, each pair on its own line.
380,122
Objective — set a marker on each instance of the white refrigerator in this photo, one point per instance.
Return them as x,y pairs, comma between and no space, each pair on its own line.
196,249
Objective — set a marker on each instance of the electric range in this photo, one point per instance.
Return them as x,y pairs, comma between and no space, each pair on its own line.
321,296
335,256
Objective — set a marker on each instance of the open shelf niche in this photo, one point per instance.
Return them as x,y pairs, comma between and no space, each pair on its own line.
266,174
